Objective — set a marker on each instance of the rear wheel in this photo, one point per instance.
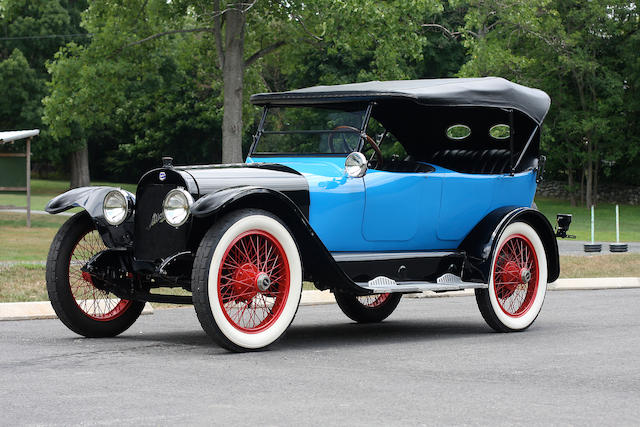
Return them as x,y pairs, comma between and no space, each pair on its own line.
518,280
368,308
247,280
80,305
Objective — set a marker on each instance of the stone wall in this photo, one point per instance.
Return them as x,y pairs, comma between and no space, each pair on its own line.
611,193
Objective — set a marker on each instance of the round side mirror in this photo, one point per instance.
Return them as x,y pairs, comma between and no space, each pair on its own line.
356,165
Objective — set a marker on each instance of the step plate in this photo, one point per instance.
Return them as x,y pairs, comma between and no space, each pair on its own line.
446,282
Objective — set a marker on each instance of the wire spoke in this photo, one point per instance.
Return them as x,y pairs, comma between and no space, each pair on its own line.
95,303
515,255
249,258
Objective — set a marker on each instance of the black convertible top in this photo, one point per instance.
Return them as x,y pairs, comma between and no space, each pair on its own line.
463,92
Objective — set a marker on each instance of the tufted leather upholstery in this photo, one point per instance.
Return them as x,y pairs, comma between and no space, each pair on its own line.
496,161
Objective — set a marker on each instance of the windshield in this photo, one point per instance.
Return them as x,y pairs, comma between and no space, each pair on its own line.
310,130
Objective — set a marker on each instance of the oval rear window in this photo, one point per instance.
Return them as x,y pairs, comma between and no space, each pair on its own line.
500,131
458,132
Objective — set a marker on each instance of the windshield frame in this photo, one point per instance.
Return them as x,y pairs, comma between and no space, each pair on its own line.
260,131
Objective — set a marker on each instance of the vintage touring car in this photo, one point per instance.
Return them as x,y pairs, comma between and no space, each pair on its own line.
370,190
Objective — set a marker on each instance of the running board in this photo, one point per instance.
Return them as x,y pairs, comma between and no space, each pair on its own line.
401,266
446,282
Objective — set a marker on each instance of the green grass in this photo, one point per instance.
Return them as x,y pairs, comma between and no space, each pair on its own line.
44,190
21,283
23,244
605,220
610,265
26,282
20,243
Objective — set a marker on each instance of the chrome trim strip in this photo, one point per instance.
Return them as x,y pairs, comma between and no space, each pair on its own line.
378,256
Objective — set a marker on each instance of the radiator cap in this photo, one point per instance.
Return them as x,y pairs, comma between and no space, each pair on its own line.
167,162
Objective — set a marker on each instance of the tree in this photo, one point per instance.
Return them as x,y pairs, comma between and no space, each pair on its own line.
35,27
130,104
567,48
20,86
227,27
32,31
344,42
127,35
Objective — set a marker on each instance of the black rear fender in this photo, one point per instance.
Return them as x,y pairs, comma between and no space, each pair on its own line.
318,264
91,199
480,243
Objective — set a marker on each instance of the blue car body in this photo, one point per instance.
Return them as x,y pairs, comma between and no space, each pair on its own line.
399,211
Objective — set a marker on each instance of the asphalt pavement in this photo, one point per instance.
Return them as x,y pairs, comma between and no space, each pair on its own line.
434,361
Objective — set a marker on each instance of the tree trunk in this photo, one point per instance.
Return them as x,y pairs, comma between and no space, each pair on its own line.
582,187
80,167
232,76
572,191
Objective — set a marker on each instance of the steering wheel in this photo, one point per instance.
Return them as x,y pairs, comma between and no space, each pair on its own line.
370,140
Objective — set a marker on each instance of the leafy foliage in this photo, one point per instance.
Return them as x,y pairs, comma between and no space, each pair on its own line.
20,86
32,32
134,104
142,87
572,50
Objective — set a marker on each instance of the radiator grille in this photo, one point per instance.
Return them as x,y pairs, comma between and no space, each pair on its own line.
159,240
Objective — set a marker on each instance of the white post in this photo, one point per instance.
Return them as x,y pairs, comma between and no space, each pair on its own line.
617,224
592,225
29,183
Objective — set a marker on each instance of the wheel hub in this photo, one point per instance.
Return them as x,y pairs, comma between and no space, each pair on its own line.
248,281
263,282
87,277
511,274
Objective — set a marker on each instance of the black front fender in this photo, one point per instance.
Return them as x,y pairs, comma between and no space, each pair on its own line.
91,199
480,243
220,200
88,198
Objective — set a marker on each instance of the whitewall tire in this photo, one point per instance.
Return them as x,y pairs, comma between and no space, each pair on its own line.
247,280
518,280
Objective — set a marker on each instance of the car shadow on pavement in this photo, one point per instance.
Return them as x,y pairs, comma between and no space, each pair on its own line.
328,335
388,332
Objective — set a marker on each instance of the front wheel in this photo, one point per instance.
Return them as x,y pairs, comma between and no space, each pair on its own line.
518,282
247,280
368,308
84,308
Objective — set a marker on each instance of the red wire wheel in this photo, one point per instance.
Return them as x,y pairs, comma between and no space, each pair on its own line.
253,281
95,303
373,300
76,296
515,275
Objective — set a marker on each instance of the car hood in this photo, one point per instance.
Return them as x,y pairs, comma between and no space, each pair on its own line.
327,167
278,177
